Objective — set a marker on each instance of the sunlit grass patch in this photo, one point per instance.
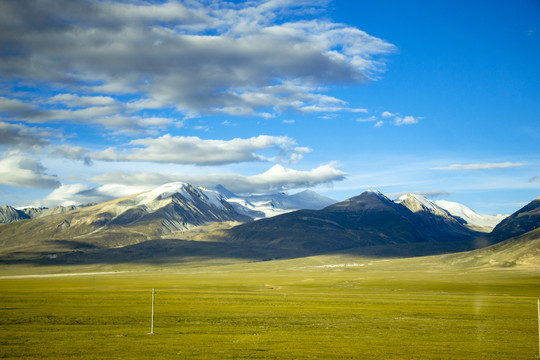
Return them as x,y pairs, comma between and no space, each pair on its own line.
272,311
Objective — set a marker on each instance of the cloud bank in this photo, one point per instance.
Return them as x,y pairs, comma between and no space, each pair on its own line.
22,137
277,178
22,171
119,183
189,56
194,150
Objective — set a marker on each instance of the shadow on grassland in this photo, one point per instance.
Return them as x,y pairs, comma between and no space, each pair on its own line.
162,251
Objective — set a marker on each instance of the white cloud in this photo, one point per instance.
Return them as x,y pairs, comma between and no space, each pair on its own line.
77,194
74,100
228,123
277,178
119,183
401,120
194,150
406,120
485,166
66,195
280,178
190,56
202,128
372,119
20,171
369,119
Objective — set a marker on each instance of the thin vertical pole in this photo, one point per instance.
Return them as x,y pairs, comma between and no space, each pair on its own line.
538,328
153,301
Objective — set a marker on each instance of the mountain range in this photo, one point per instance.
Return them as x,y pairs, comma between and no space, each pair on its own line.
178,220
368,220
9,214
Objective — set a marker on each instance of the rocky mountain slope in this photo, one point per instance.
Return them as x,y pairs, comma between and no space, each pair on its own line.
253,206
9,214
370,219
178,220
522,221
433,220
124,221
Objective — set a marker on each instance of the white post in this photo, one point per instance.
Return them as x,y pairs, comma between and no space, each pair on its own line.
539,328
152,325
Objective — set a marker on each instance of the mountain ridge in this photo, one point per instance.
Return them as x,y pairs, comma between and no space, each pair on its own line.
170,216
369,219
522,221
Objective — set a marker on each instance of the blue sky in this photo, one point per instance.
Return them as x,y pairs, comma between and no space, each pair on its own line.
100,99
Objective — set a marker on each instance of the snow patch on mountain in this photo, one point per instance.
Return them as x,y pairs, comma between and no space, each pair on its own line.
194,195
165,191
422,200
480,222
470,218
375,192
419,203
269,205
262,208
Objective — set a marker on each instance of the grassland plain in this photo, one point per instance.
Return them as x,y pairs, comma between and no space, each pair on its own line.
316,308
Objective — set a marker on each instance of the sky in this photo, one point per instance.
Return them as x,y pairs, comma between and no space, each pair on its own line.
102,99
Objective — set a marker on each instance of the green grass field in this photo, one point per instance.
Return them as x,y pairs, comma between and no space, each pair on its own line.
295,309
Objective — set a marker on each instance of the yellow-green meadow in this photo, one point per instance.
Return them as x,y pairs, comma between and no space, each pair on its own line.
295,309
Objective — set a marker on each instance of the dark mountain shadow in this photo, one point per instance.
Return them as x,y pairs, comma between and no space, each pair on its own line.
151,251
414,249
170,251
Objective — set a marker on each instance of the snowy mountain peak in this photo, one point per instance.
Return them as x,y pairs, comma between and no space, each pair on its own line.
374,192
277,170
417,203
154,198
165,191
268,205
377,194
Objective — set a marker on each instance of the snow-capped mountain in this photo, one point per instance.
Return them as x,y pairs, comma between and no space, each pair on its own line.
127,227
434,220
178,205
211,205
268,205
474,220
132,219
369,220
447,209
418,203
